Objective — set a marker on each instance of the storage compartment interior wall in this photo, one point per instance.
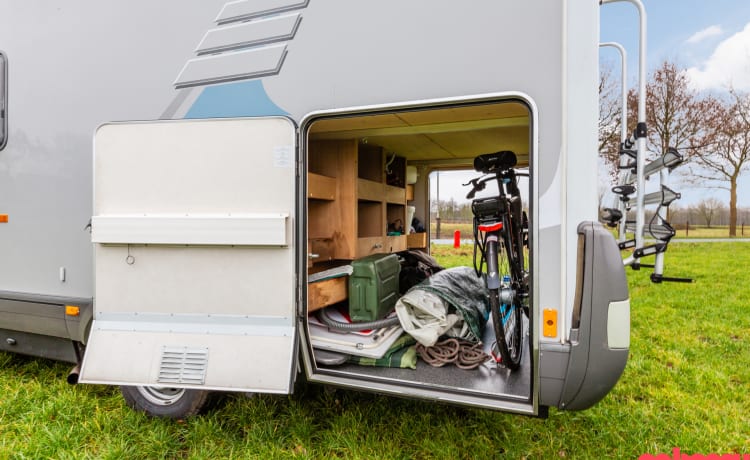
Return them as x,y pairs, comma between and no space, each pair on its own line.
349,203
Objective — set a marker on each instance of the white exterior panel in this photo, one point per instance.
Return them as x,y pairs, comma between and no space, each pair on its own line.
580,153
123,362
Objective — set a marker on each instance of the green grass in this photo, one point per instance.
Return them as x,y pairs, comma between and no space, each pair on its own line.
685,385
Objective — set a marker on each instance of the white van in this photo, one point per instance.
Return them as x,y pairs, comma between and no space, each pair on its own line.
172,173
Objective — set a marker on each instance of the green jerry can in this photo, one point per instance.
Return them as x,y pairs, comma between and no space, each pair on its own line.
373,287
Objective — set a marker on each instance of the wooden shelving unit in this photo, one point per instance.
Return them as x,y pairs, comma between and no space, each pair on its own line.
350,204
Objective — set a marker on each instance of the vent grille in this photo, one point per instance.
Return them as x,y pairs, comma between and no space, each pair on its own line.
183,365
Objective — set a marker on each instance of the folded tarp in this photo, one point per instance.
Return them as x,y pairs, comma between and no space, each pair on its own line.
452,302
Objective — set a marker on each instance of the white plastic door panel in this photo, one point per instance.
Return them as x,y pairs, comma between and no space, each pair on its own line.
194,255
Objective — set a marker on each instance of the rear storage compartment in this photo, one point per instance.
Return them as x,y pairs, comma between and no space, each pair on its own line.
368,214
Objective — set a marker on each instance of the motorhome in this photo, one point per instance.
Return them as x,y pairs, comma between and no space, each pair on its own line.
173,174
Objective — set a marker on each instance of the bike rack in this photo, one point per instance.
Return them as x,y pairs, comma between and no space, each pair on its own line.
633,168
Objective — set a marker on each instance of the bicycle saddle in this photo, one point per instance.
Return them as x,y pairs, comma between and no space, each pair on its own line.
493,162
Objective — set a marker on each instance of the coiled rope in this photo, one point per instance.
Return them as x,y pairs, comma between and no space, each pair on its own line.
464,354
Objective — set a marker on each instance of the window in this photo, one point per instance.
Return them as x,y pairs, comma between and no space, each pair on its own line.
3,100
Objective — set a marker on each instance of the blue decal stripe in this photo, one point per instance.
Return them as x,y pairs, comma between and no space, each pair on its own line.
241,99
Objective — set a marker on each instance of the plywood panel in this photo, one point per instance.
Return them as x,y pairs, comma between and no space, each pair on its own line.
327,292
321,187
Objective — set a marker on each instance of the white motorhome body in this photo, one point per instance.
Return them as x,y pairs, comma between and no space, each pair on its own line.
213,124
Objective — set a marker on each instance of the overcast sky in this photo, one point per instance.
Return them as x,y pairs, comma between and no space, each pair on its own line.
710,38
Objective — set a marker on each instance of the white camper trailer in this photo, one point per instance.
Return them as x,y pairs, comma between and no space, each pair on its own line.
173,174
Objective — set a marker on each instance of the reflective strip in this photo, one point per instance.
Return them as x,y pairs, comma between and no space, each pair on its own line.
491,228
618,324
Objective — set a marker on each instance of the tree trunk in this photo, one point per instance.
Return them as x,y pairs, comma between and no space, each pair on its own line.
733,206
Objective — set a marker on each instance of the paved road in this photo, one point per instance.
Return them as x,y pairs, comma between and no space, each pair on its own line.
464,241
470,241
710,240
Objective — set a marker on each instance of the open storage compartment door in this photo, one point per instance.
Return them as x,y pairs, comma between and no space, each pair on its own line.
194,255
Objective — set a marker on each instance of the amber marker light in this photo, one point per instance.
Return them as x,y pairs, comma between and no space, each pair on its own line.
72,310
3,218
550,323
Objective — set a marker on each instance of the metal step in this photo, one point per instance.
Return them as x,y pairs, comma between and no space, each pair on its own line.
669,160
650,250
665,197
627,244
663,231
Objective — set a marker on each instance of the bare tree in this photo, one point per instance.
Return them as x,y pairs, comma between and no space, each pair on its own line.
722,165
708,209
678,215
610,118
676,115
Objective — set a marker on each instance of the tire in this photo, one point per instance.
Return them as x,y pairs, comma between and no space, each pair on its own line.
508,336
176,403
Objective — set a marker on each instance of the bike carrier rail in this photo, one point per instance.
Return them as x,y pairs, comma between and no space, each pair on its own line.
633,173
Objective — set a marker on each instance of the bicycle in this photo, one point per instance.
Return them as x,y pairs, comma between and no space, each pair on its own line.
501,218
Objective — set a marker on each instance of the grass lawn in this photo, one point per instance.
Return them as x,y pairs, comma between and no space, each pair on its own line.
686,386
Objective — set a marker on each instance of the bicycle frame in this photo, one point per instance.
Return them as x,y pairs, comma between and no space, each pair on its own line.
493,217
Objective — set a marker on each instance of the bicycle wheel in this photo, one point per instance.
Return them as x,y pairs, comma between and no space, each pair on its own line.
507,319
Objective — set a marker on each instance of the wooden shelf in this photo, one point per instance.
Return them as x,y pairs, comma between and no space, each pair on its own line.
394,243
416,240
370,245
369,190
321,187
395,194
327,292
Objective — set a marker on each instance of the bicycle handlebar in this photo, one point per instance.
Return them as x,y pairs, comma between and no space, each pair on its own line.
477,185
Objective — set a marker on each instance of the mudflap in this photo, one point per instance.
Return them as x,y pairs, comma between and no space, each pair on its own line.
577,374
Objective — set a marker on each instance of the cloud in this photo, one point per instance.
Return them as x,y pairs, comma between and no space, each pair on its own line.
728,65
701,35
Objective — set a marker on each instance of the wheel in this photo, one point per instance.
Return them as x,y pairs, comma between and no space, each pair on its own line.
177,403
507,320
508,323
